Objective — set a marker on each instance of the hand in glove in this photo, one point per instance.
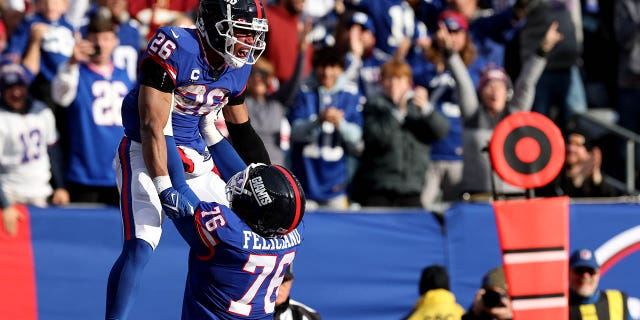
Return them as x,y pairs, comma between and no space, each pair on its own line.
174,204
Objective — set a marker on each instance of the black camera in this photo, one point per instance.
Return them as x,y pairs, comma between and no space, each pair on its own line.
492,298
96,50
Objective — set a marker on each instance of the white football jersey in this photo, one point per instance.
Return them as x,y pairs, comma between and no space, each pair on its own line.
24,162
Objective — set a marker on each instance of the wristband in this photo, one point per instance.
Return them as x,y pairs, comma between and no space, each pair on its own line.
161,183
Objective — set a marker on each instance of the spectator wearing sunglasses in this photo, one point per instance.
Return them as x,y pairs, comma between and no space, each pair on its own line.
587,300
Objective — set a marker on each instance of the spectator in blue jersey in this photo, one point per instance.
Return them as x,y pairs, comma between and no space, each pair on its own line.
56,45
394,21
30,170
399,126
435,52
186,77
326,18
125,55
364,59
326,123
490,30
240,253
444,175
586,299
91,88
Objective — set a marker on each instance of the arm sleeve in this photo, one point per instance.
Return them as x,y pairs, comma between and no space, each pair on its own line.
498,27
351,125
427,128
64,87
524,90
226,158
239,99
351,132
467,95
247,143
57,166
154,76
18,40
354,64
176,171
185,227
224,155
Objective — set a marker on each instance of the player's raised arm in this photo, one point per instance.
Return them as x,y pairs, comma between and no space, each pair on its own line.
158,145
155,110
224,155
245,139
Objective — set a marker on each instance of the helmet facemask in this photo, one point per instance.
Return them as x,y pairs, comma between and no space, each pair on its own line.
226,29
236,185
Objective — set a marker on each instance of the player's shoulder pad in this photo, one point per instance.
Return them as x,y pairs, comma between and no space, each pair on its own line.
215,216
211,221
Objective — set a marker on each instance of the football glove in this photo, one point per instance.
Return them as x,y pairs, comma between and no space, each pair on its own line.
174,204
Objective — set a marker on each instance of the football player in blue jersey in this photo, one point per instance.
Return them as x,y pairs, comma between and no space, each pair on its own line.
186,76
240,254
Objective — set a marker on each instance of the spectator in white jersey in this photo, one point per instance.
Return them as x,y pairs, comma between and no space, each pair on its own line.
29,170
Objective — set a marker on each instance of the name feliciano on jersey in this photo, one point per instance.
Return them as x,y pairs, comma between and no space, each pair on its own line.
257,242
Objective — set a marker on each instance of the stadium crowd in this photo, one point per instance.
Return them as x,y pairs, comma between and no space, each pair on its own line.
385,103
366,101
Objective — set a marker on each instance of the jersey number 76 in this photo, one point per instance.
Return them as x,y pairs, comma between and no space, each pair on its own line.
267,263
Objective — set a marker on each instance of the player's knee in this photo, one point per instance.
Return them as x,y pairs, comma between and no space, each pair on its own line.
139,250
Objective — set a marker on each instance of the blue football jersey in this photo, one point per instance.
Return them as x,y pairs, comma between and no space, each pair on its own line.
57,44
320,160
393,20
442,93
95,126
199,90
238,275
